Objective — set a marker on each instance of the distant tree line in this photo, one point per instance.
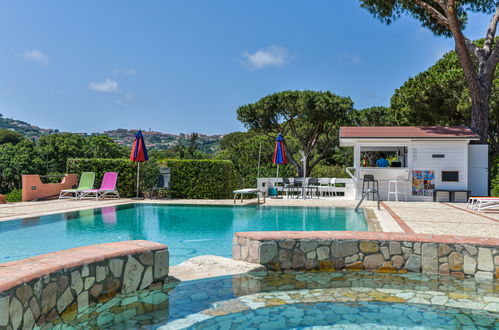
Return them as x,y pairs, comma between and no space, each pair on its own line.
49,154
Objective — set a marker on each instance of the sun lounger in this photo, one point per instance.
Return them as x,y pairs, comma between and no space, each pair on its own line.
86,182
248,191
478,204
108,187
487,204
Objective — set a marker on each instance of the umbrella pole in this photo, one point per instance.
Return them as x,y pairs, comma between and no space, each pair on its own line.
138,173
276,183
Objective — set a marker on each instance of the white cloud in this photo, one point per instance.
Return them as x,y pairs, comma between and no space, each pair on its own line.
107,86
351,58
124,72
36,56
274,55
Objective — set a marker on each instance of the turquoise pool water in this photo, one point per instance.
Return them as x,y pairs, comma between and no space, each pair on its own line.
302,300
187,230
361,315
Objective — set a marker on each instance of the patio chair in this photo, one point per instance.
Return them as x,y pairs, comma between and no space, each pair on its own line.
313,185
287,186
163,183
86,182
108,187
332,186
298,184
324,186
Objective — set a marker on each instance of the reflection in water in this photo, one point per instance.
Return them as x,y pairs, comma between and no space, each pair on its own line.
34,221
109,214
87,217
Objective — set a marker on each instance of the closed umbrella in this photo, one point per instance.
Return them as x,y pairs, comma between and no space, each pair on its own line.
138,154
279,153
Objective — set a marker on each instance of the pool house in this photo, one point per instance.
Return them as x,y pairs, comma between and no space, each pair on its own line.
423,161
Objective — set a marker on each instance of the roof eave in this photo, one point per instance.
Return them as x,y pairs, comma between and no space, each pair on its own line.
412,137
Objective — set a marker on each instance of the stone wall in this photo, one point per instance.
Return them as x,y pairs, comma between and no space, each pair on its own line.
59,285
380,252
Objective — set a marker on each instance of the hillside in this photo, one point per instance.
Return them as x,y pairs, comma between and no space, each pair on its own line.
159,140
24,128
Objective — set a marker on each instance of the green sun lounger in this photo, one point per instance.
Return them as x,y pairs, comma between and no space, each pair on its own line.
86,182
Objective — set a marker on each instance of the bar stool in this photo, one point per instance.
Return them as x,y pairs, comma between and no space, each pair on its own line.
398,179
369,178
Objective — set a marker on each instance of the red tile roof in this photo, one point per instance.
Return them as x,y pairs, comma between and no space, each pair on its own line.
441,132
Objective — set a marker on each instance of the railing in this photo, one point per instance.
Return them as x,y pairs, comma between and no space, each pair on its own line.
366,193
347,169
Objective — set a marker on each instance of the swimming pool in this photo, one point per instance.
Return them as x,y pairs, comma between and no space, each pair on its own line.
187,230
303,300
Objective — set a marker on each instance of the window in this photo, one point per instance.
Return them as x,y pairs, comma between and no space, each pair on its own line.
450,176
395,155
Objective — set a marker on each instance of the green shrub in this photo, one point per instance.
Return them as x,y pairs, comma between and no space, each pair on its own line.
494,187
127,172
201,179
325,171
16,195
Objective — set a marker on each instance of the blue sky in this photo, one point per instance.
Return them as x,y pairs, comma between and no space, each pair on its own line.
184,66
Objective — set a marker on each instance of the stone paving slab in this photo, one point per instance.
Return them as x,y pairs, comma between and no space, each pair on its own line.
212,266
12,211
446,219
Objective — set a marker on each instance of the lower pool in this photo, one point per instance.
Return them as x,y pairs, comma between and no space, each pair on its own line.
188,230
301,300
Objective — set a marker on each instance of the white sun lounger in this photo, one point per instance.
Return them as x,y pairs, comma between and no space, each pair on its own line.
487,204
478,204
248,191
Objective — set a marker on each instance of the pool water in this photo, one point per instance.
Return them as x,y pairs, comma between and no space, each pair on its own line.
303,300
363,315
187,230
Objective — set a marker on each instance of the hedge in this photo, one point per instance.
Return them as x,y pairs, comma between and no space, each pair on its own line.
127,172
192,179
201,179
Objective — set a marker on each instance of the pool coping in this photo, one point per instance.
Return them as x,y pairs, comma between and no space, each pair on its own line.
367,235
17,272
56,285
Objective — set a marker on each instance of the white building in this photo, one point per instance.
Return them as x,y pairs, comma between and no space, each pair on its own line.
427,158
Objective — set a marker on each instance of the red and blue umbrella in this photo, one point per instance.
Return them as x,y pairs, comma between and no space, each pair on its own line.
138,153
279,152
139,150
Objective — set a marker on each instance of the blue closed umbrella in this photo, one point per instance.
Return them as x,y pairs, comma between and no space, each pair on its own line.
279,152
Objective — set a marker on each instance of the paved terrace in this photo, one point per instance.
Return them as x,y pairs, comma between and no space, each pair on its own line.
411,217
